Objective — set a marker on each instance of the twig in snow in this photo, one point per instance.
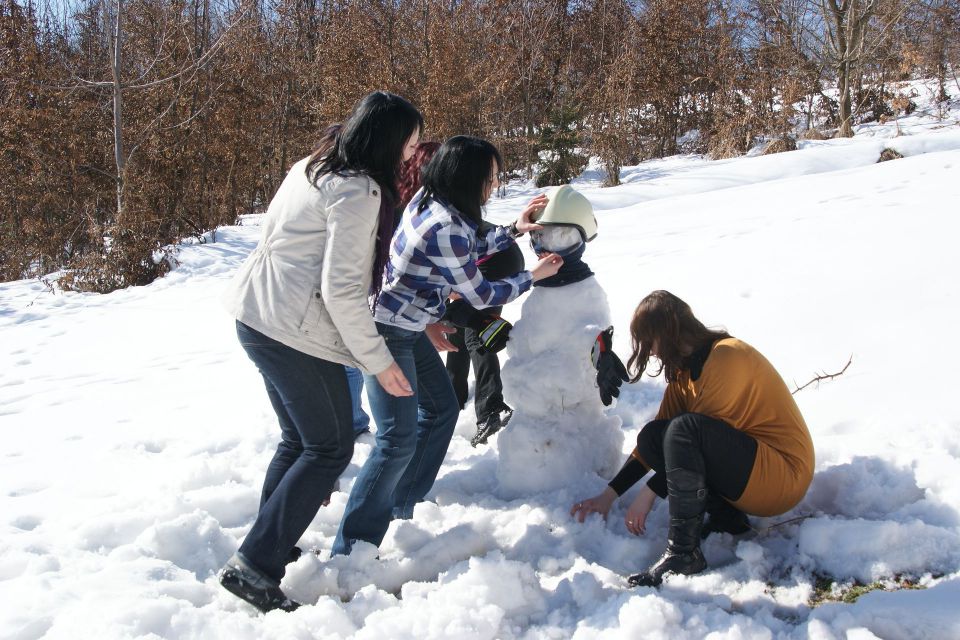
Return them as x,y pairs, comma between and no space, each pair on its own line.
773,526
785,522
820,377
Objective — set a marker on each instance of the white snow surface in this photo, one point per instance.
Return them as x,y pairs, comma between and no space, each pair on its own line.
136,433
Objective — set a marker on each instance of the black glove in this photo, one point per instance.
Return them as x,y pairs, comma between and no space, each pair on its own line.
610,371
493,334
460,313
492,330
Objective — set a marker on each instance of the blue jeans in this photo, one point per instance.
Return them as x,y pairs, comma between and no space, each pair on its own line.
312,403
413,434
361,421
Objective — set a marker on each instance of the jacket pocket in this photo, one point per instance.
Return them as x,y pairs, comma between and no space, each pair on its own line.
317,322
311,318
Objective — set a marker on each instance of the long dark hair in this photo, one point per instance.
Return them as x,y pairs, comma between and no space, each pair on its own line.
371,142
411,172
459,174
663,319
327,139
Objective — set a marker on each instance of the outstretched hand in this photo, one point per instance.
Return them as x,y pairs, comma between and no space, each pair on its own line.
600,503
636,517
548,266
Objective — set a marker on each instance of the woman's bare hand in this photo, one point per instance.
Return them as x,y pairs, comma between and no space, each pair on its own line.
394,382
548,266
636,518
437,332
524,223
597,504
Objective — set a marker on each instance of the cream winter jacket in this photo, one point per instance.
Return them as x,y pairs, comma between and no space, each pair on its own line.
306,283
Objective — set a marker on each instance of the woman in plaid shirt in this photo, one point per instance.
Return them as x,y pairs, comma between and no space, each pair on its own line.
433,256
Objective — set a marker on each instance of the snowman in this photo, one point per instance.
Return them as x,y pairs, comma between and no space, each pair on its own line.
559,435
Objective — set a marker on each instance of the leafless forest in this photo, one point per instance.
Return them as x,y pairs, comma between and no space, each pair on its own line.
128,124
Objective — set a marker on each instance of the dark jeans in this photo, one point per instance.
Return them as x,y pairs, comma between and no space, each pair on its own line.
312,402
361,421
723,455
486,368
413,434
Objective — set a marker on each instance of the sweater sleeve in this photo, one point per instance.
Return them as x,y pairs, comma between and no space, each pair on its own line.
630,474
353,213
495,239
449,252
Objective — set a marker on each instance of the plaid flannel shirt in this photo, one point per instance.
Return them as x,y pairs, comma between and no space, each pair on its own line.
434,252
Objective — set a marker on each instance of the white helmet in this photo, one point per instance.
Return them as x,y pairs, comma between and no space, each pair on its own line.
568,207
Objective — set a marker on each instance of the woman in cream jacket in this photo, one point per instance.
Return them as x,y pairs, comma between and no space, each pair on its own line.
301,306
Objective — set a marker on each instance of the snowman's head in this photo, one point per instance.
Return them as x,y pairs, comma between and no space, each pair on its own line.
568,222
563,241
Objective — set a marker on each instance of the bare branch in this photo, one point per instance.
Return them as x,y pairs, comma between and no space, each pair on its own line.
820,377
776,525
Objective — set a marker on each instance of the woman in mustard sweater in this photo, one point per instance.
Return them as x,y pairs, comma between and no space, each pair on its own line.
728,439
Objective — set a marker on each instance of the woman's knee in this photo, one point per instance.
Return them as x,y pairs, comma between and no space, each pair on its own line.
650,441
290,446
683,429
334,456
397,445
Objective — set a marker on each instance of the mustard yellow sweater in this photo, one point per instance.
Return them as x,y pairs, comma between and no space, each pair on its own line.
740,387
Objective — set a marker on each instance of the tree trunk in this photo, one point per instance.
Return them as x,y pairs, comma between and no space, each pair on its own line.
115,63
843,85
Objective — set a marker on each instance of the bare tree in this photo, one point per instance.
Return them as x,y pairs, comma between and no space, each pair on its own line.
850,39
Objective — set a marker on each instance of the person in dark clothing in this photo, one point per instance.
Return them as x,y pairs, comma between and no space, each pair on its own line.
481,335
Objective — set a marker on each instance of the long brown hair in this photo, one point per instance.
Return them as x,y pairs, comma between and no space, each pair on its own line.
411,170
663,319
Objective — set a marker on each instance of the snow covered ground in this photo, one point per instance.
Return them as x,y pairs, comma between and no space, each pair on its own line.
135,433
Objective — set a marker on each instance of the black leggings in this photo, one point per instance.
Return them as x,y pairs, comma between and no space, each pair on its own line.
723,455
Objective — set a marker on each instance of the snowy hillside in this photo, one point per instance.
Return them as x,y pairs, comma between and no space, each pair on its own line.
135,432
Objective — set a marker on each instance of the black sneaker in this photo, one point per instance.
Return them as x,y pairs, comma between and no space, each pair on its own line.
248,584
493,423
486,429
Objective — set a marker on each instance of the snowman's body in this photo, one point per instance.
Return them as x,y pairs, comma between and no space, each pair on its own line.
559,432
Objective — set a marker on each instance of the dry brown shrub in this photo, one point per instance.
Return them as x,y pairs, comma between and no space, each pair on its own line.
780,145
813,134
889,154
723,148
